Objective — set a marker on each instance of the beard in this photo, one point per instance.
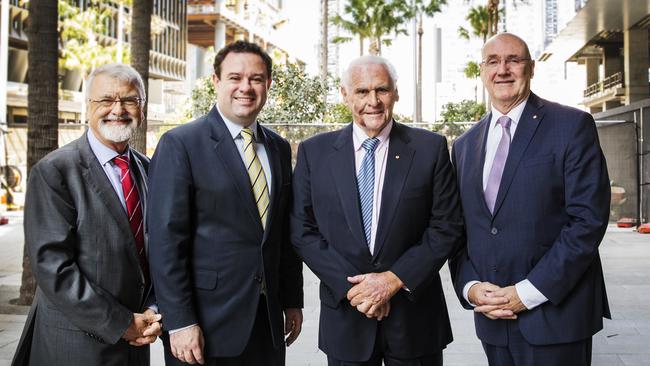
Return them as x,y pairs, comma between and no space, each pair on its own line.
117,132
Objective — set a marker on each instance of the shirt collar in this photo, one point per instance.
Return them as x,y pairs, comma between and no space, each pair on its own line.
359,136
514,114
102,152
234,128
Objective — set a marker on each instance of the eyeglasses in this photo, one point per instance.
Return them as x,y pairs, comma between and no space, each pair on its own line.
513,62
128,102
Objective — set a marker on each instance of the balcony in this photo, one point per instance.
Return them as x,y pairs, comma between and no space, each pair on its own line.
610,89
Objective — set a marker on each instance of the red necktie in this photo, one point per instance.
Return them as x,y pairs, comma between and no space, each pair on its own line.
133,209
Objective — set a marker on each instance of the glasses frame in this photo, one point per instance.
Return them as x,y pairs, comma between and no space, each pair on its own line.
124,102
510,62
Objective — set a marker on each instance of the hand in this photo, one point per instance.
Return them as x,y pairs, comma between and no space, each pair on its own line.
378,311
146,322
187,345
373,289
150,333
292,324
514,302
488,302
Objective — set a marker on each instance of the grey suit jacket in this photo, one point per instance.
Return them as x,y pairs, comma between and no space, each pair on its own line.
83,255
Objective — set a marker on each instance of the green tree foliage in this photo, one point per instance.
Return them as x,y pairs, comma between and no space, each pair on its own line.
81,34
478,18
338,113
452,113
375,20
295,96
464,111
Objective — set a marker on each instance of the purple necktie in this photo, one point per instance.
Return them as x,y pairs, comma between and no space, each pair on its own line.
499,162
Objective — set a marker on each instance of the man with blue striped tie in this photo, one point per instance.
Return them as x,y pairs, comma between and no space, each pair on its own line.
375,215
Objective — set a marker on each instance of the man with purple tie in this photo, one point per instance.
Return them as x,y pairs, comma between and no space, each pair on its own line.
535,197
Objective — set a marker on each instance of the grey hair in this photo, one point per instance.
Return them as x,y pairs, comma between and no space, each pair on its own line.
120,72
365,60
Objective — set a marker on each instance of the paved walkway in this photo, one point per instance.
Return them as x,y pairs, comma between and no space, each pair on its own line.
624,341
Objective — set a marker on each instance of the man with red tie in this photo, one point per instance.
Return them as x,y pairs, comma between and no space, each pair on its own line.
84,230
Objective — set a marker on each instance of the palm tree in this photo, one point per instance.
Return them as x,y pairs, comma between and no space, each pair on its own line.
140,47
478,18
42,103
374,20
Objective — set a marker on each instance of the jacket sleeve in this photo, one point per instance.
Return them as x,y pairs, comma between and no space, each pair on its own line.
587,198
310,244
51,240
169,221
290,271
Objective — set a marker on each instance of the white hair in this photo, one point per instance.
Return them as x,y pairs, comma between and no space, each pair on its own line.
120,72
366,60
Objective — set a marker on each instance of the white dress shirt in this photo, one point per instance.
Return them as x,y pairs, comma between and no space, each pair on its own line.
381,155
528,294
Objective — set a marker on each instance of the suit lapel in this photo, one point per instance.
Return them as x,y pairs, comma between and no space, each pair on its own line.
227,152
479,159
342,165
525,131
96,177
397,170
273,153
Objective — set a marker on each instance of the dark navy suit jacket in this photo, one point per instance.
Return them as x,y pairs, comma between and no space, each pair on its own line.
419,226
550,216
210,257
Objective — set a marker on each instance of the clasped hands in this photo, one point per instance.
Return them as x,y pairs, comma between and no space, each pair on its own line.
144,328
495,302
371,293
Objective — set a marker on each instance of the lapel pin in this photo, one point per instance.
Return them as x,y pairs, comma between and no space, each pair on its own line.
535,117
397,157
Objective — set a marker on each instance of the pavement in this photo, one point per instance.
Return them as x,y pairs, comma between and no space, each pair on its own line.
623,341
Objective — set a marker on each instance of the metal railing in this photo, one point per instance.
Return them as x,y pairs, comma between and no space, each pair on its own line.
613,81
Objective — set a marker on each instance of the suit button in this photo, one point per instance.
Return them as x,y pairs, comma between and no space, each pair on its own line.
494,231
376,264
258,278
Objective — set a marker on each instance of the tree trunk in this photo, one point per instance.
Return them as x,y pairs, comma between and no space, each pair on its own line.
360,46
140,47
493,17
42,103
324,42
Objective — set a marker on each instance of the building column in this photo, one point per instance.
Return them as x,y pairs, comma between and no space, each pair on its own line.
612,60
219,35
637,60
592,65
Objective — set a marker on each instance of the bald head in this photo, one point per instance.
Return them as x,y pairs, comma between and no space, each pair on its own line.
508,37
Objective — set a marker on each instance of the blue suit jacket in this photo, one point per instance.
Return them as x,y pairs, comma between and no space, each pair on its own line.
550,215
209,256
419,226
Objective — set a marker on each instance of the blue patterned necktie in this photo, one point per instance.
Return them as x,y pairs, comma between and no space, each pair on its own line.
498,164
366,185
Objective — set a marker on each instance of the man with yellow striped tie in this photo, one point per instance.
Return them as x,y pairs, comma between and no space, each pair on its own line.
220,257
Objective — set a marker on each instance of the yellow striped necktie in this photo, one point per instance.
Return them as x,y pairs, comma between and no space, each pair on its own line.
256,175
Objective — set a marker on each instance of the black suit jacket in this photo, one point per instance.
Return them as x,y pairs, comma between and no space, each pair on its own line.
209,255
550,215
84,257
419,225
